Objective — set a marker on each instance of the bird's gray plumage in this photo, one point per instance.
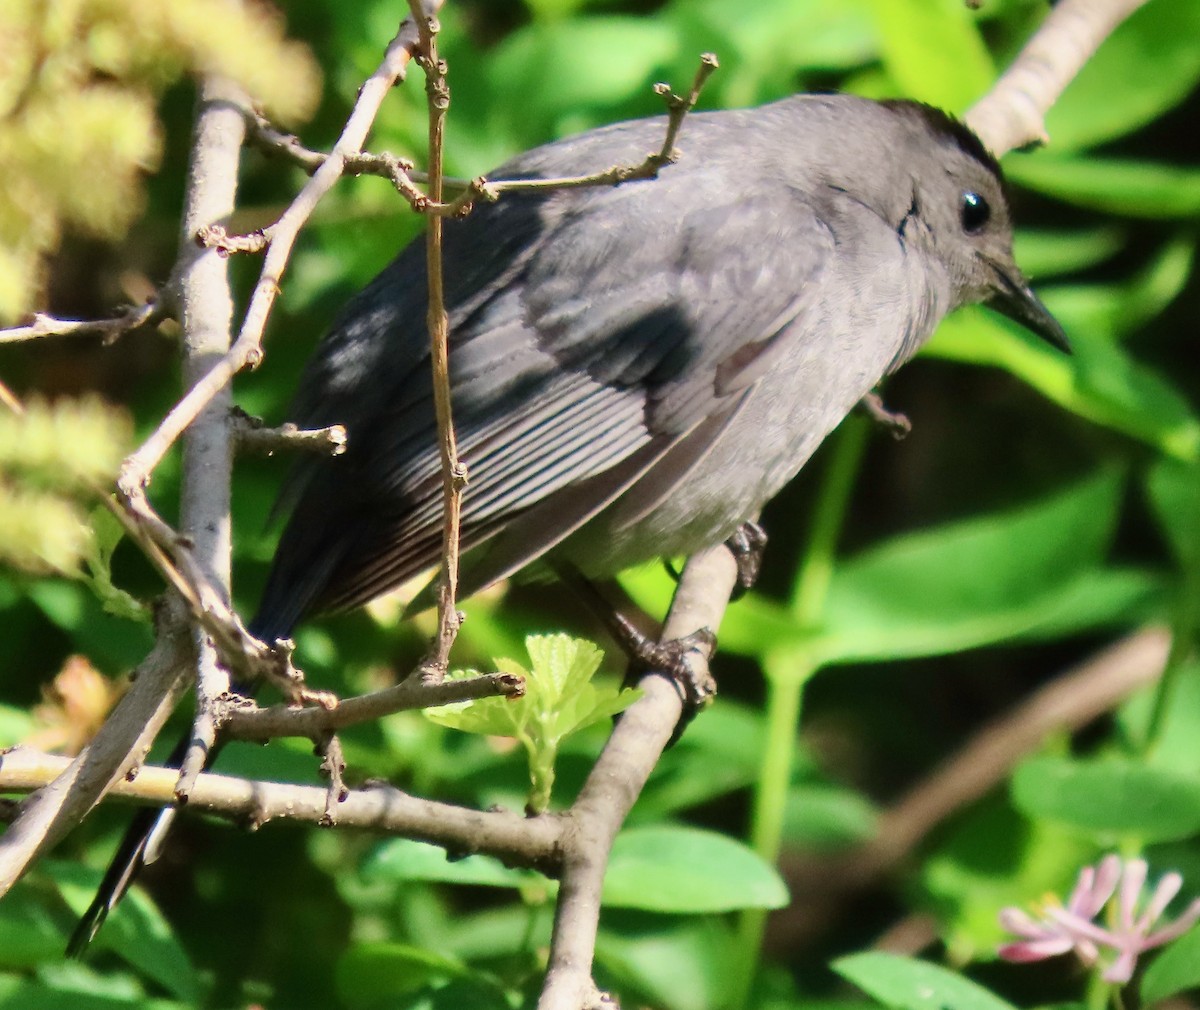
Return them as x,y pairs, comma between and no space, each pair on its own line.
635,370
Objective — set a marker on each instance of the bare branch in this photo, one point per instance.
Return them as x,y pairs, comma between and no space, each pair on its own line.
215,236
64,797
617,779
247,349
530,842
250,435
1013,113
48,326
249,723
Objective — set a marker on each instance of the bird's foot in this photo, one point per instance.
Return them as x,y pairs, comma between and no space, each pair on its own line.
747,545
898,424
672,660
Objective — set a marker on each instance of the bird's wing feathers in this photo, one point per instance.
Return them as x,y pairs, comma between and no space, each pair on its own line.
578,351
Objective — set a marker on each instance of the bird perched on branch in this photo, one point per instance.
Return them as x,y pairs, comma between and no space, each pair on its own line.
635,370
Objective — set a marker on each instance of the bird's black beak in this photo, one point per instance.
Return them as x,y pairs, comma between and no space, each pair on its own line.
1014,298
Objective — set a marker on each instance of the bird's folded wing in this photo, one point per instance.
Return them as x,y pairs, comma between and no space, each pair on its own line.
635,315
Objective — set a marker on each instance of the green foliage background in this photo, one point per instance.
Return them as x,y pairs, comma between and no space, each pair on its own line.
1042,506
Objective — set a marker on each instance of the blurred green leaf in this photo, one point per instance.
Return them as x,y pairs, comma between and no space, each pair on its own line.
1173,971
992,857
1174,489
135,931
372,974
15,725
1133,188
932,49
1048,253
908,984
29,933
1100,382
762,47
686,870
593,62
58,993
718,754
1109,797
1154,55
107,533
65,443
674,963
824,817
405,859
1179,729
1027,571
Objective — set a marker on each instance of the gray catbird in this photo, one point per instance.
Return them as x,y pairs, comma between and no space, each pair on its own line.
636,370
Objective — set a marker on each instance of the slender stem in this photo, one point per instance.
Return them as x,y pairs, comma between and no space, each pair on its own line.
1183,642
454,474
787,674
812,580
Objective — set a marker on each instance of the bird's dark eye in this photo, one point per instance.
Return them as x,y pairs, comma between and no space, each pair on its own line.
975,212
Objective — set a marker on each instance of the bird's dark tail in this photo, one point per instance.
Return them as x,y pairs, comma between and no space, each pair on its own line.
141,846
147,832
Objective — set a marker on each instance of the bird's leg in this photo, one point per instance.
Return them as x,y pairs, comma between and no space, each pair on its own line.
873,406
747,545
644,652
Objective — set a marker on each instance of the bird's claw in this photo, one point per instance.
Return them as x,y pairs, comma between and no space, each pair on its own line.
747,545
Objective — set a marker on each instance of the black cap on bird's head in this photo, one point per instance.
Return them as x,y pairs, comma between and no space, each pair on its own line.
966,207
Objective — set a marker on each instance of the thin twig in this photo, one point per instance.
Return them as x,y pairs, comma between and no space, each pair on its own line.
454,471
243,722
403,176
215,236
49,326
247,349
333,764
251,436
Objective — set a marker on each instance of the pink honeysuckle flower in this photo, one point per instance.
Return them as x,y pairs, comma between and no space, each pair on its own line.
1062,928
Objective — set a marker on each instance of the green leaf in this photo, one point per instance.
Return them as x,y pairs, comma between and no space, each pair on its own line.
1174,489
677,963
1048,253
932,49
560,699
136,931
370,974
1154,55
1177,968
15,725
719,753
402,859
908,984
594,62
983,580
992,857
1101,382
107,533
1133,188
687,870
1109,797
75,987
29,934
826,817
